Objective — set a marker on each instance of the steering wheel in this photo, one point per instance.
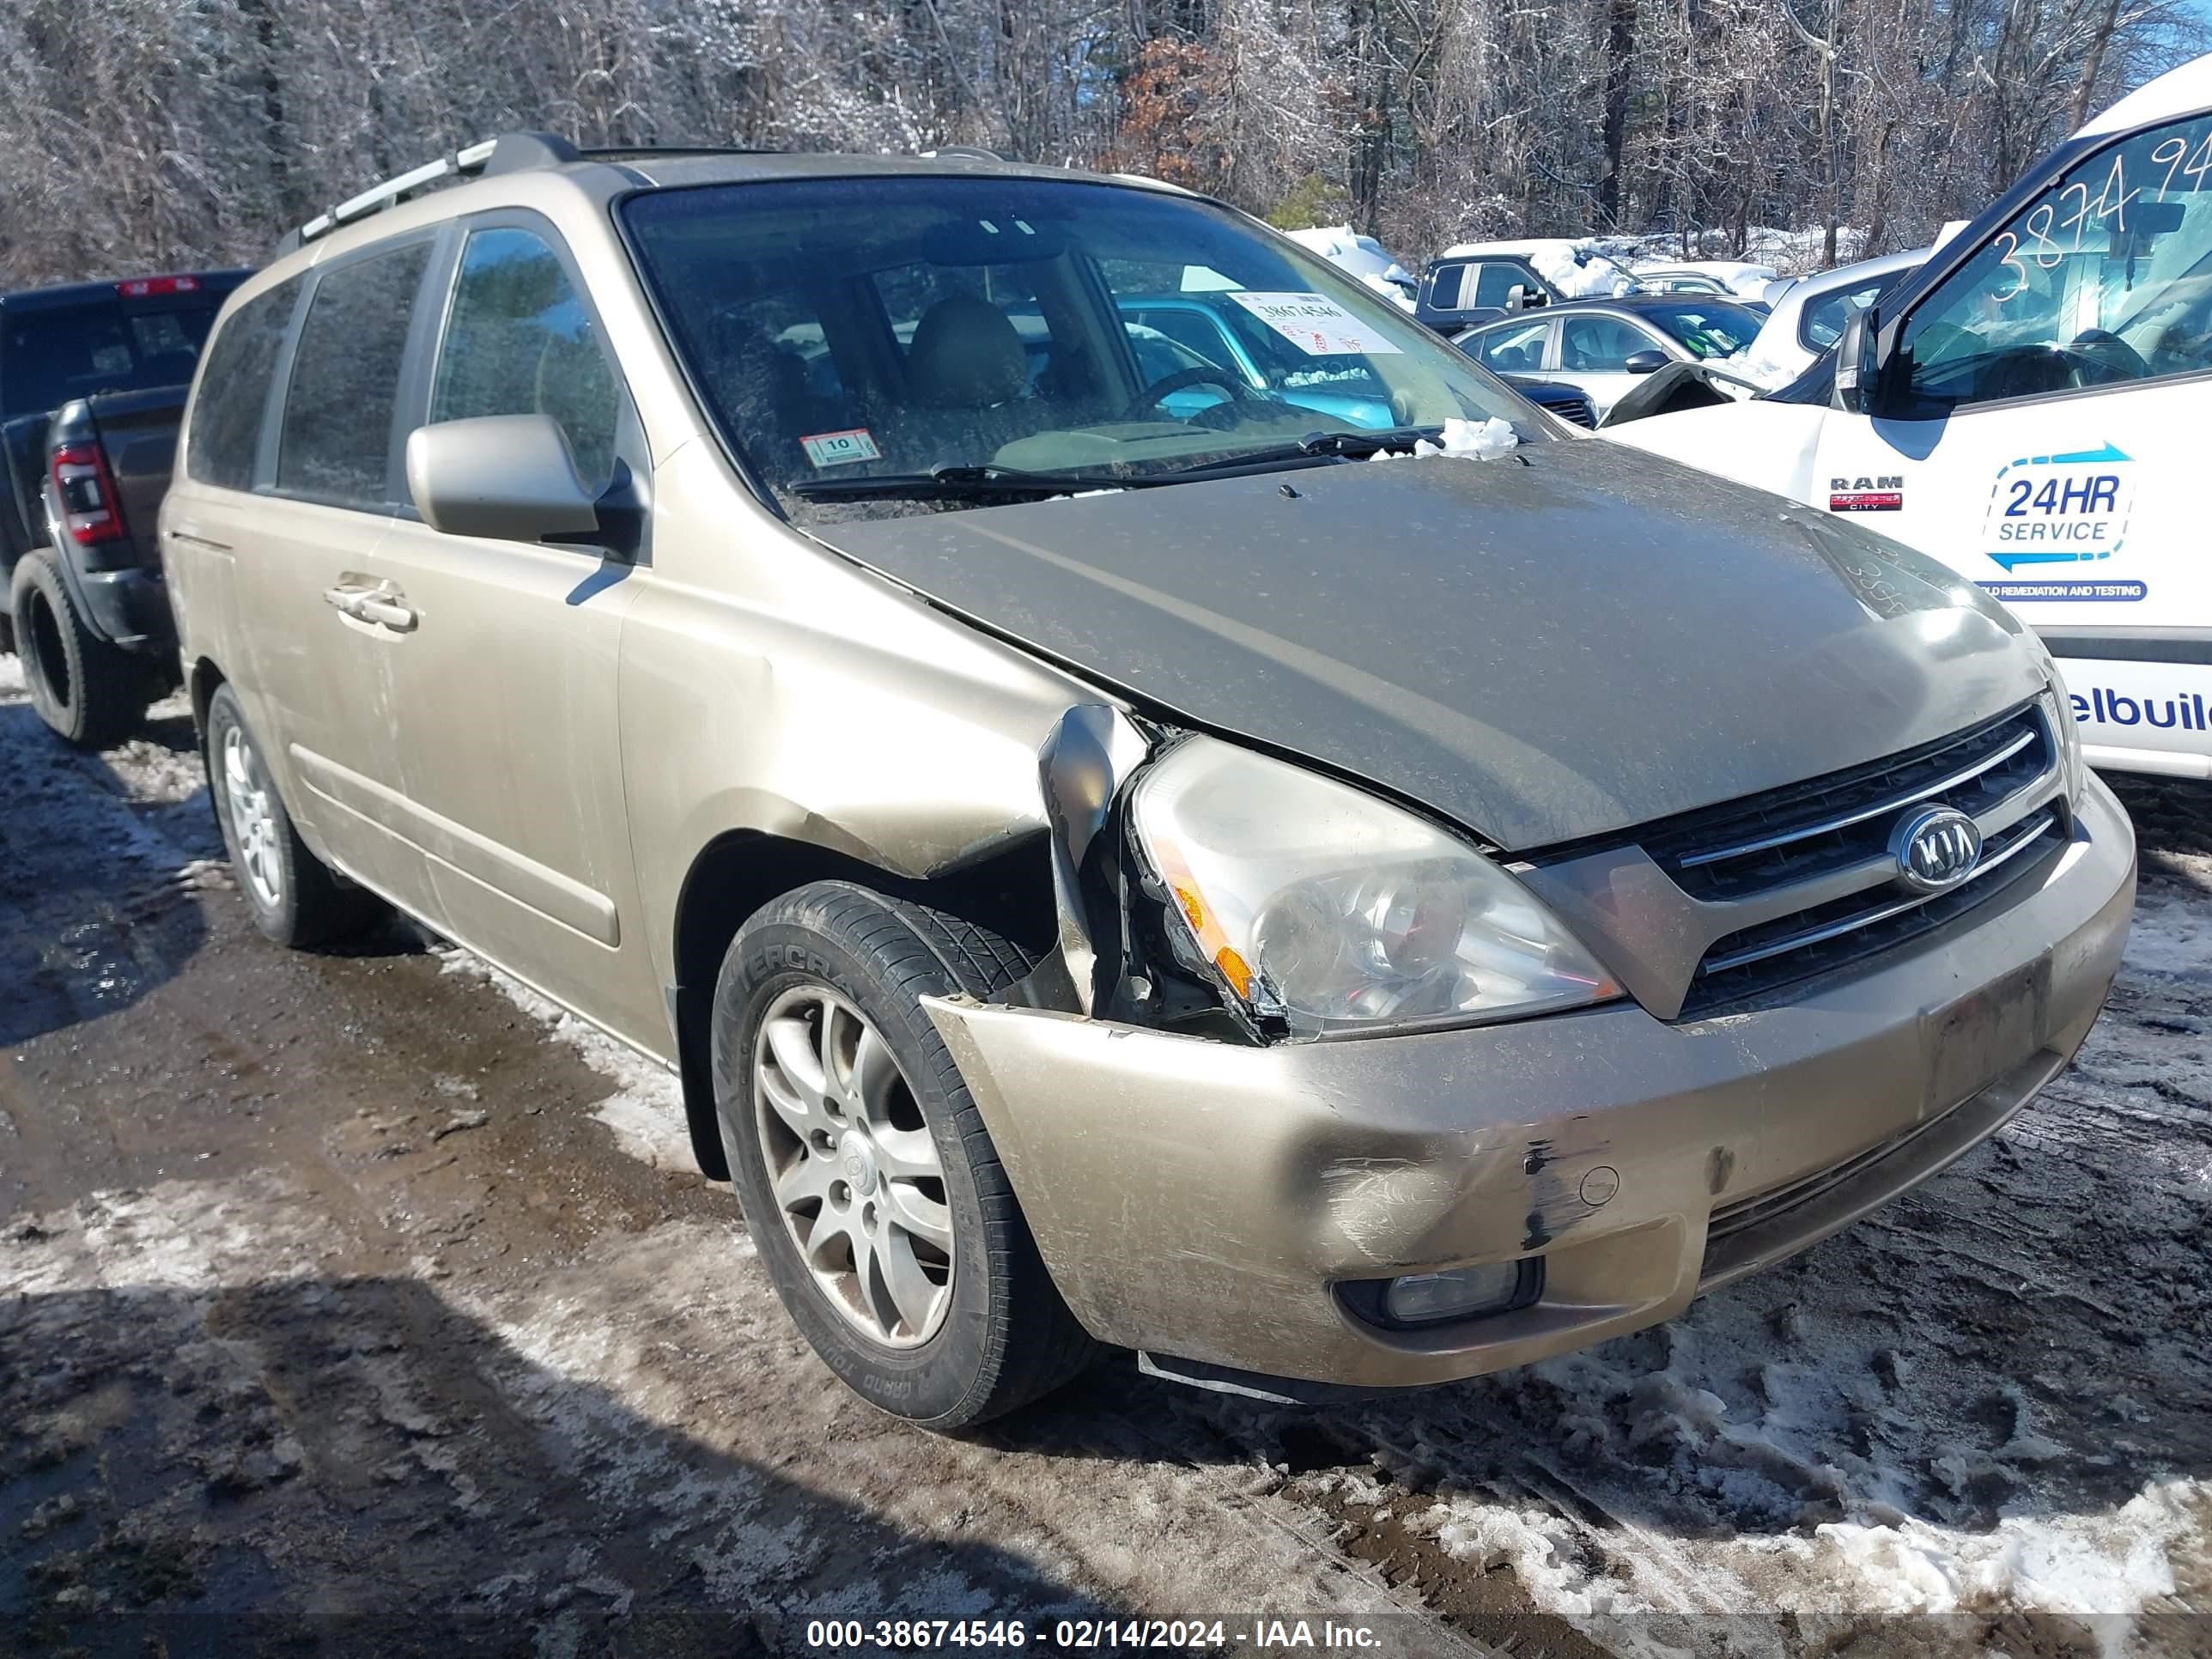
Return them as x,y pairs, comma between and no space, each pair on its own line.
1196,374
2098,355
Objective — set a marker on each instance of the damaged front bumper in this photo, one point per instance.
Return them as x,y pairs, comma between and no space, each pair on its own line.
1204,1200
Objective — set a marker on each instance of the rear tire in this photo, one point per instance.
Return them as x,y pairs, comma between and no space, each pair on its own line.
88,691
951,1333
293,897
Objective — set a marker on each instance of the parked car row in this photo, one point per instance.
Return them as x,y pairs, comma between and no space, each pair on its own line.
1600,347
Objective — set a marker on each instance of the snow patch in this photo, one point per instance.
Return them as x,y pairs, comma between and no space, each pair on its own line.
1744,277
1477,440
1361,257
1575,267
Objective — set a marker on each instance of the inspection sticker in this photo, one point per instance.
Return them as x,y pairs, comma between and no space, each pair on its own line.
1317,326
842,448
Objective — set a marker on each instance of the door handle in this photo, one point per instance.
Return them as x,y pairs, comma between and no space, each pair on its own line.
382,605
385,610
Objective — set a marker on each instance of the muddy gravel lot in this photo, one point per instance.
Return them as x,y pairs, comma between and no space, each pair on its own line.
360,1303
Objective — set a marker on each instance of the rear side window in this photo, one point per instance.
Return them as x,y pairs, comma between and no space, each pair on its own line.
337,441
1518,349
51,353
224,429
520,342
1599,345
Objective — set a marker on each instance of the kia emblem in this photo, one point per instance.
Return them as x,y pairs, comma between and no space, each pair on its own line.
1935,847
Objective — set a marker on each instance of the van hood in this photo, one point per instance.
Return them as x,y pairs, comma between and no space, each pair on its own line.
1564,643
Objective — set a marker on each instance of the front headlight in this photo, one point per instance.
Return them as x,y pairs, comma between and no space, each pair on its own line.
1333,912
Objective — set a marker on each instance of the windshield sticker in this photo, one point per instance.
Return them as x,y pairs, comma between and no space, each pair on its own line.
841,448
1883,494
1317,326
2057,513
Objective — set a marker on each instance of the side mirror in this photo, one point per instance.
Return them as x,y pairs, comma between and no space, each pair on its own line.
507,477
1648,362
1516,297
1859,361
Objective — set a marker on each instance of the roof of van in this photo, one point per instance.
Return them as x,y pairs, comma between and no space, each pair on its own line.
2177,92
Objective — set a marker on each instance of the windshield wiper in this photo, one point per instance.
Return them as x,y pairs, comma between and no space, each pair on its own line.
956,483
1320,447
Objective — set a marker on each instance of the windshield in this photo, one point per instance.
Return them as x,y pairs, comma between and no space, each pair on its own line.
52,354
856,328
1709,328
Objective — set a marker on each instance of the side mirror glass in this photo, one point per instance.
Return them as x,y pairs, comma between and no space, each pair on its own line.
1858,361
1648,362
507,477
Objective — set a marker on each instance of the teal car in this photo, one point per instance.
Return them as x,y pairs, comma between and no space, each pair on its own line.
1181,334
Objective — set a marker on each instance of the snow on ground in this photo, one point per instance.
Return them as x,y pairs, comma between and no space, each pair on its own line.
1989,1402
1789,252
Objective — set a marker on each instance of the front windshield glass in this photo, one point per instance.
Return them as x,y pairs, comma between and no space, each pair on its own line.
1710,328
892,326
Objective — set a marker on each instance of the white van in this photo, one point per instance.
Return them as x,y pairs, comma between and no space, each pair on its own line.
2029,408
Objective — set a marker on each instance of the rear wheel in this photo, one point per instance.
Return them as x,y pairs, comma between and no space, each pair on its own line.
294,897
871,1186
89,692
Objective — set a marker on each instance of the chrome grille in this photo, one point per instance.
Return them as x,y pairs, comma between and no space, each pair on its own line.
1825,845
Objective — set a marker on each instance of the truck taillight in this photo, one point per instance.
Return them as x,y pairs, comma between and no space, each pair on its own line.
85,493
146,288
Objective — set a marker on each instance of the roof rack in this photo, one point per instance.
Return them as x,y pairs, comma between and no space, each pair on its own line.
511,152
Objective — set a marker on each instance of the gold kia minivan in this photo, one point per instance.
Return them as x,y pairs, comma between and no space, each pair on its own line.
1150,802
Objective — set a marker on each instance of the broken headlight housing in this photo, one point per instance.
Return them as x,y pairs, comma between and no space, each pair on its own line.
1326,912
2066,730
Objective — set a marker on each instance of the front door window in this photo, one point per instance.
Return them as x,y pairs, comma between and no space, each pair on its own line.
2105,278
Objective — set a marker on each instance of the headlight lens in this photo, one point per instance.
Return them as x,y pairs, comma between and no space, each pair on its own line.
1335,913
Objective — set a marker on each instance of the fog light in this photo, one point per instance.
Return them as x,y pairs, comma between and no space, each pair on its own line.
1461,1292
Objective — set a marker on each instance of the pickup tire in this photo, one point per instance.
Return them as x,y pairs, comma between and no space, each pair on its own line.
840,1140
91,693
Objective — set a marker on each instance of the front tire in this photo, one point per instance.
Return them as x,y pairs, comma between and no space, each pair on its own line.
870,1184
293,897
90,692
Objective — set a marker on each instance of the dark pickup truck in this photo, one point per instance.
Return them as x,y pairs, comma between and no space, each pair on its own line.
93,382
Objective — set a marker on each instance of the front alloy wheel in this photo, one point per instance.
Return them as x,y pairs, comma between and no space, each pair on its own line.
855,1172
867,1178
